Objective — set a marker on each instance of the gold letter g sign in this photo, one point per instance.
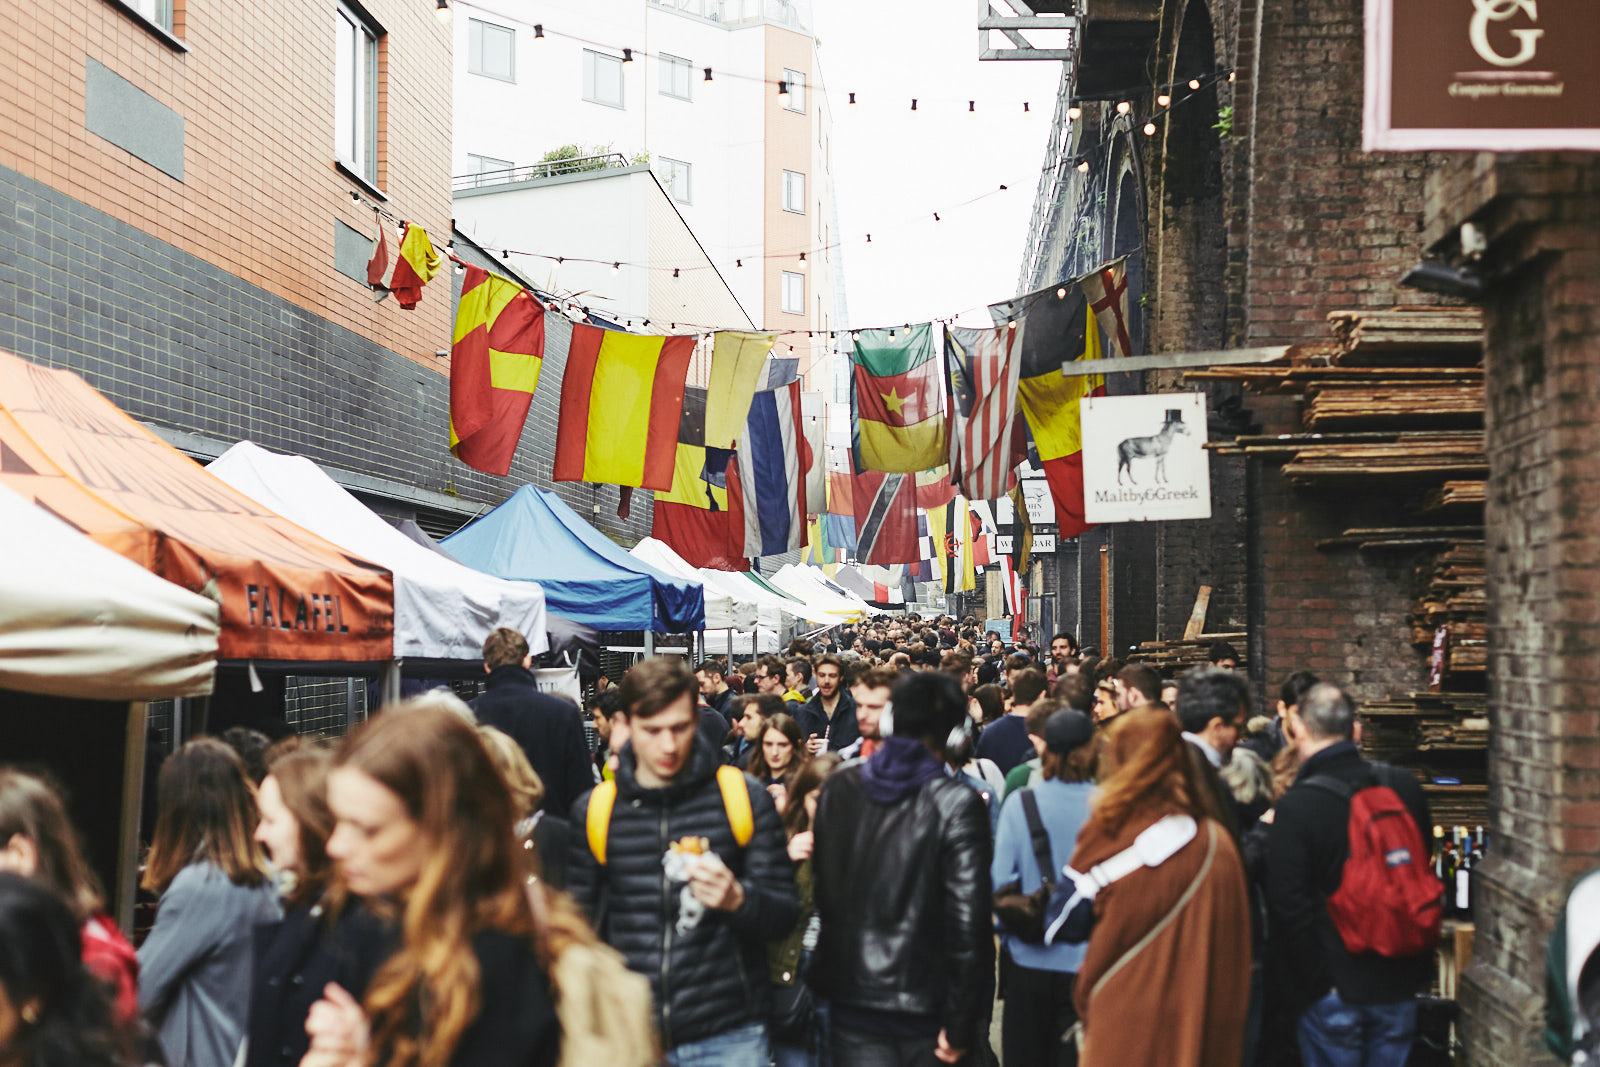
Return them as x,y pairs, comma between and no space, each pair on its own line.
1486,11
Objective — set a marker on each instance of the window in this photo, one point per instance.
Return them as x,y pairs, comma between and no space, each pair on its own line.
478,165
796,99
602,79
491,50
675,77
157,11
677,176
356,84
794,293
794,191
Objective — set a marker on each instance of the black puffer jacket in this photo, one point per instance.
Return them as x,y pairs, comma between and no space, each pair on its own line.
712,978
903,894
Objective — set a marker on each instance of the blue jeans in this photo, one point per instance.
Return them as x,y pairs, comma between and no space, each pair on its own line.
1335,1034
744,1047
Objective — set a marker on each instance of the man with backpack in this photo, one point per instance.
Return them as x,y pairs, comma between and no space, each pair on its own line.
1353,908
683,866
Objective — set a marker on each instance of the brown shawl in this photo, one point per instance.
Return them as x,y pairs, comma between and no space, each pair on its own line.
1166,979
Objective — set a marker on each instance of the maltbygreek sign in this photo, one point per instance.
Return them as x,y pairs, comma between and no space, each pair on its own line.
1144,458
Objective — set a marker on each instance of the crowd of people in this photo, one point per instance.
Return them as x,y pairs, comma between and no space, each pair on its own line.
854,855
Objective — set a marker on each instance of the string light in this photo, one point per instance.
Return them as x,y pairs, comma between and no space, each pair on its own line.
1083,167
869,238
538,31
616,268
935,216
972,107
852,98
783,88
1194,83
1123,107
1230,77
1025,107
442,10
674,272
802,261
1012,325
739,264
1163,100
1149,129
1061,293
913,103
1074,113
708,74
627,55
355,197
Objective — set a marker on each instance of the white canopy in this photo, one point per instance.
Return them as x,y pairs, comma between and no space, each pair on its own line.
797,582
775,605
716,643
442,609
78,620
726,605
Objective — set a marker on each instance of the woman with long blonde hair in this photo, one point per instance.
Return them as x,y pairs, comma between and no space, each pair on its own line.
195,967
423,832
1176,934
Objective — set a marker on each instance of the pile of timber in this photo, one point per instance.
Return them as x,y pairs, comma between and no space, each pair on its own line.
1172,658
1344,405
1406,335
1452,597
1441,738
1401,458
1455,495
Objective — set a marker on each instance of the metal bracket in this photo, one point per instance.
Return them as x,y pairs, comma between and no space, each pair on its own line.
1174,361
1023,17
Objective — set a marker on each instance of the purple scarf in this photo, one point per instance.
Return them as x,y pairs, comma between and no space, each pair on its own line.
899,768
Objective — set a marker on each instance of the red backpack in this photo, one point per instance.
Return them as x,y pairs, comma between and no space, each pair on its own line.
1388,902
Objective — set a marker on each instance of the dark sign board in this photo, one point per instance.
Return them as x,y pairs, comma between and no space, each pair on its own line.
1483,75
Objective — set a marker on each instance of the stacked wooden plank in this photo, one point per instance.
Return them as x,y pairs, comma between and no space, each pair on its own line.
1406,335
1441,738
1347,405
1453,596
1454,495
1172,658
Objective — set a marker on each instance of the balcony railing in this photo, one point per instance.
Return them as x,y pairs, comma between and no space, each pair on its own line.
553,168
792,13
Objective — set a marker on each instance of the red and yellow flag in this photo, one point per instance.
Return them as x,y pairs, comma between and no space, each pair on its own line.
495,359
621,400
1059,330
417,265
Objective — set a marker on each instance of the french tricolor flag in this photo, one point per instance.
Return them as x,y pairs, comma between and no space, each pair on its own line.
766,478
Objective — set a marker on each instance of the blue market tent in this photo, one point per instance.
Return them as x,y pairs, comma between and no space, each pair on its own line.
586,576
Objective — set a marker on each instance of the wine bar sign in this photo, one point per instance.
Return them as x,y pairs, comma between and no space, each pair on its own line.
1482,75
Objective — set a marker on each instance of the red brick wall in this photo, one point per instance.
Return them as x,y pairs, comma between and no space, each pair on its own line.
255,90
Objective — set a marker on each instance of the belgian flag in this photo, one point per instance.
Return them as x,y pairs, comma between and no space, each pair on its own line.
1059,330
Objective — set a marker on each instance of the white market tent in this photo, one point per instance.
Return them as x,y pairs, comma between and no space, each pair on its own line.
716,643
776,605
798,583
727,606
78,620
442,609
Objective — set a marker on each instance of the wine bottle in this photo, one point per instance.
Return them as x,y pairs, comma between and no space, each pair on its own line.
1463,885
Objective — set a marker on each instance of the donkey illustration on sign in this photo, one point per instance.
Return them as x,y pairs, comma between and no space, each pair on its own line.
1157,445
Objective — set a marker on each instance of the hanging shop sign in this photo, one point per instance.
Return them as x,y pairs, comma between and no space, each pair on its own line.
1482,75
1144,458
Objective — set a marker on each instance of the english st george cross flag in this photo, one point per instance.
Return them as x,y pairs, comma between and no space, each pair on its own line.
984,445
495,359
1107,290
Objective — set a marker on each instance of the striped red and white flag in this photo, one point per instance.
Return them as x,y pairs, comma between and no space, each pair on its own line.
984,447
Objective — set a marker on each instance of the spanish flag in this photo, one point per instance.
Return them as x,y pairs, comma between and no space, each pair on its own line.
897,411
495,359
621,400
417,265
1059,330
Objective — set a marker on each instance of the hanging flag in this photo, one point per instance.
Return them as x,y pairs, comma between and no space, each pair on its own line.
496,353
886,518
888,584
1016,598
766,488
950,535
983,533
818,551
781,370
738,361
984,447
417,265
815,475
1021,532
924,570
621,400
692,517
378,265
840,520
934,488
1059,330
1107,291
897,401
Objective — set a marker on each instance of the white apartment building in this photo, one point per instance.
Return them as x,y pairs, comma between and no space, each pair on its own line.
747,166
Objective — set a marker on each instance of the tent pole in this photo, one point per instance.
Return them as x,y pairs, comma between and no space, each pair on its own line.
390,686
649,643
730,645
132,797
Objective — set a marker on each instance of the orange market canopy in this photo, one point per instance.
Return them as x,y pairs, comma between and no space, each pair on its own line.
286,594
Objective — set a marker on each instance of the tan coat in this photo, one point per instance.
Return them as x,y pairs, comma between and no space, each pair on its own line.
1166,980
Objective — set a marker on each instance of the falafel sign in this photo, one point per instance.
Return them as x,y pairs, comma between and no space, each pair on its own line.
1144,458
1487,75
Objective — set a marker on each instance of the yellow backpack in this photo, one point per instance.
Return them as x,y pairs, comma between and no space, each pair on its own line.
735,801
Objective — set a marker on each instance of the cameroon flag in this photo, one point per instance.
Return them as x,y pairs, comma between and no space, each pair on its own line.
417,265
1059,330
897,412
621,399
495,358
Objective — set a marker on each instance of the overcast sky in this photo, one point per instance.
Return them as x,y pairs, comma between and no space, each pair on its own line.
894,168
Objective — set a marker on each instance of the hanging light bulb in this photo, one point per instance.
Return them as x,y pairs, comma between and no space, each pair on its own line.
355,197
1012,325
442,10
739,264
802,261
627,55
674,272
869,238
1083,167
913,103
1025,107
972,107
1149,129
855,335
538,31
616,268
1061,293
852,98
1230,76
935,216
708,74
1074,112
783,87
1163,100
1194,83
1123,107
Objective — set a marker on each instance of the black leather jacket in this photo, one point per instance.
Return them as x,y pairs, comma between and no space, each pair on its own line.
712,978
903,894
